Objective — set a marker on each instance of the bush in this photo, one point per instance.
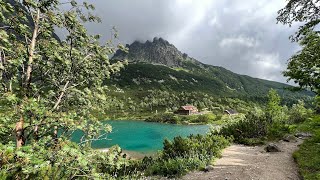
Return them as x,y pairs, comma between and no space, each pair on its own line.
180,119
185,154
164,118
65,161
204,119
277,130
205,146
175,167
299,113
254,129
252,126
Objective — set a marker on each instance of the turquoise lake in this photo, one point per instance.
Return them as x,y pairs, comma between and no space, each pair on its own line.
143,136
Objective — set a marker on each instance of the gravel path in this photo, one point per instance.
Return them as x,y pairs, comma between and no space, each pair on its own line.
240,162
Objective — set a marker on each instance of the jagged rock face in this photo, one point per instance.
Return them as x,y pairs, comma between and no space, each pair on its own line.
159,51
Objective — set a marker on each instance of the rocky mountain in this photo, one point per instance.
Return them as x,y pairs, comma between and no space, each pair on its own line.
160,65
159,51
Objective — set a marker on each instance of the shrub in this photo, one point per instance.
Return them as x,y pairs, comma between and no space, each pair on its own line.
206,146
254,129
165,118
205,118
277,130
252,126
179,119
175,167
65,161
299,113
185,154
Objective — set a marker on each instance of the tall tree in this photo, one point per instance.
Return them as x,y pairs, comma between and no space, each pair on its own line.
304,66
39,68
50,85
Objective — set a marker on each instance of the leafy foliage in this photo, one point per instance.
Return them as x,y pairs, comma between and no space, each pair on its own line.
181,119
51,85
298,113
259,126
65,161
304,11
252,127
274,109
304,67
208,146
186,154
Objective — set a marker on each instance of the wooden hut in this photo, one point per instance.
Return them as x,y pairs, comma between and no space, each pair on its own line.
187,110
231,112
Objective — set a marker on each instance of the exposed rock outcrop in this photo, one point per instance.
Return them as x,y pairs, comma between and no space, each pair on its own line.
159,51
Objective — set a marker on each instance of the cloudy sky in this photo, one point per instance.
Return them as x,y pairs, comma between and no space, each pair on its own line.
242,36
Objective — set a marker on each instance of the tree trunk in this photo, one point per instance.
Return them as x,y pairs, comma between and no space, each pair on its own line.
31,50
20,133
19,125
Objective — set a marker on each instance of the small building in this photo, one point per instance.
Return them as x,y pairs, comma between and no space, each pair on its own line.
231,112
187,110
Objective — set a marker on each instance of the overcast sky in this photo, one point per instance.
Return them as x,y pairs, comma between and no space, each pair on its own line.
242,36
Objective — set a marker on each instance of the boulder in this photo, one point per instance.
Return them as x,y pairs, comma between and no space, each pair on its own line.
272,148
303,135
208,168
289,138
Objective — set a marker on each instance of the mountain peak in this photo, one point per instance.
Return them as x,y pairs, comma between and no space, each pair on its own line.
159,51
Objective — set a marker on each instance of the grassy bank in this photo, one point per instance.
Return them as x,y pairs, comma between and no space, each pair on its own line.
308,155
183,119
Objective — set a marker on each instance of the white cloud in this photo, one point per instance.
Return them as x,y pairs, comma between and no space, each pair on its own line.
239,40
239,35
192,13
213,22
267,65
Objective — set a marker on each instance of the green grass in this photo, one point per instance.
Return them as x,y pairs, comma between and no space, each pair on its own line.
308,155
172,118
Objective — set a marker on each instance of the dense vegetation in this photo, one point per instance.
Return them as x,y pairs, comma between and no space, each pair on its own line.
49,87
259,126
308,155
141,104
183,119
217,82
185,154
304,69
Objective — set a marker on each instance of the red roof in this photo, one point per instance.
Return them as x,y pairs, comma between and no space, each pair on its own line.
189,108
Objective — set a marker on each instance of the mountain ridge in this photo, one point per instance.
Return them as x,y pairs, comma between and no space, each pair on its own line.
159,64
158,51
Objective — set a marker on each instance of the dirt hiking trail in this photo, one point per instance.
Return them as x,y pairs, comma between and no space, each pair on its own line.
240,162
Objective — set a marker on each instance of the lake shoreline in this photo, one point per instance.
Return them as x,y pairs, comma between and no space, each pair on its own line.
144,120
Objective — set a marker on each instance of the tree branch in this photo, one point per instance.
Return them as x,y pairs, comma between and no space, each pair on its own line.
61,95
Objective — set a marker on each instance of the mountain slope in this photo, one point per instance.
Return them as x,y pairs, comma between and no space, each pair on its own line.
160,65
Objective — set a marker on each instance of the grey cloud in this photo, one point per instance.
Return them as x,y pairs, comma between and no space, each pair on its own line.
239,35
